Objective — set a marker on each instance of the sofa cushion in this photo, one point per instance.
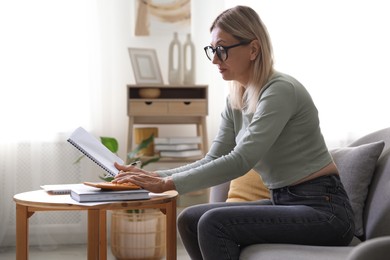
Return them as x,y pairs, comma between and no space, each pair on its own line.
249,187
356,166
294,252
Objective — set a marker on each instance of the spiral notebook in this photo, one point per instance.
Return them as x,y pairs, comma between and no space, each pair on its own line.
95,150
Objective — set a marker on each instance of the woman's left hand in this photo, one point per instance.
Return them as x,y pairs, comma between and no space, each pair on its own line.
147,181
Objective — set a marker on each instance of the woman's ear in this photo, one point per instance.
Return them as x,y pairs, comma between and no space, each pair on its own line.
255,49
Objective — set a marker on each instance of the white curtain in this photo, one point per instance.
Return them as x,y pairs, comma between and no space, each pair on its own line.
49,85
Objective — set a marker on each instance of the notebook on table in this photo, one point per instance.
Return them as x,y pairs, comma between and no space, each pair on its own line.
58,189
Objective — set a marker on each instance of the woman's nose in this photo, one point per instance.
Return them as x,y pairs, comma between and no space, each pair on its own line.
215,59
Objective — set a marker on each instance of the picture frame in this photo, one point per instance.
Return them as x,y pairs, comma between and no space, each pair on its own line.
145,66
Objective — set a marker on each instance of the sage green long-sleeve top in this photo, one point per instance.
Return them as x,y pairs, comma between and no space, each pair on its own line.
282,141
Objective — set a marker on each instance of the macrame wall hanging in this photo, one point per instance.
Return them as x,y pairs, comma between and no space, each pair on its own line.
162,17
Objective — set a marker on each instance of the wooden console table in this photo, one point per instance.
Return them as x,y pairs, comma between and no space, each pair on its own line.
28,203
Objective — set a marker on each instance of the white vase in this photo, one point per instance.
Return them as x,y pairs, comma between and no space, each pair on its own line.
175,69
189,62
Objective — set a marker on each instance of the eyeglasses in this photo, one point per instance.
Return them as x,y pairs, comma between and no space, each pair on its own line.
222,51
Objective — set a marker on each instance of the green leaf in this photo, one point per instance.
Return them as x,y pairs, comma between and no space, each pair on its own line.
135,211
135,159
151,160
107,179
141,146
79,159
111,143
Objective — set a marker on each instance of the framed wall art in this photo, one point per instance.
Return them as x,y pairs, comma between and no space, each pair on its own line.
145,66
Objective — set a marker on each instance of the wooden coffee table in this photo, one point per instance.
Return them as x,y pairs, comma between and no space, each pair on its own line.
28,203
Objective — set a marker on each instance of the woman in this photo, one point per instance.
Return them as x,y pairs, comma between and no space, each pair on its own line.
269,124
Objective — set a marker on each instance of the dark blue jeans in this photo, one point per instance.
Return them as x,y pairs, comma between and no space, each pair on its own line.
316,212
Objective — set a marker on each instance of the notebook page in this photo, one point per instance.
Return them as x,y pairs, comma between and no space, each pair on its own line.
95,150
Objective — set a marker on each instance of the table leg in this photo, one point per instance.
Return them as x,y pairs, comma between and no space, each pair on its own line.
93,234
21,232
171,234
103,235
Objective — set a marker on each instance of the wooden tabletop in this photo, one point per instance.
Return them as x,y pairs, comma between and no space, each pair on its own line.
42,199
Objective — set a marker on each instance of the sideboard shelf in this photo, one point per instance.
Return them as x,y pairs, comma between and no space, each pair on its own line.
172,92
176,104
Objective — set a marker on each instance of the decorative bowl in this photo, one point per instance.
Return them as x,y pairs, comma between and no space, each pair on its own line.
149,92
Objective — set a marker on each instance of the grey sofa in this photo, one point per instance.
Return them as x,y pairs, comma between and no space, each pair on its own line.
373,244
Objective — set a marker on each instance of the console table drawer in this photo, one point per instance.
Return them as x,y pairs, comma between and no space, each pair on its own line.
187,108
148,108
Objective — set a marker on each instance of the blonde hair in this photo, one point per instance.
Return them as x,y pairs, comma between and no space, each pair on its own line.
244,23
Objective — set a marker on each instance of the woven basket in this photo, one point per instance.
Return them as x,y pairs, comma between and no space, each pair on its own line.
139,234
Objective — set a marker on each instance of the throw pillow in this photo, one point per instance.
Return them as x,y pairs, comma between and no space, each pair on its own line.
356,166
248,187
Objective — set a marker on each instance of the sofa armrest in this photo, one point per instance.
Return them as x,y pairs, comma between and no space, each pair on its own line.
373,249
219,193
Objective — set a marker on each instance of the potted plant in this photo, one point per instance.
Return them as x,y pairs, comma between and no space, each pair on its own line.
136,234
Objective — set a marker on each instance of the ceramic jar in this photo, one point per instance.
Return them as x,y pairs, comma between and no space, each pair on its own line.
175,61
189,61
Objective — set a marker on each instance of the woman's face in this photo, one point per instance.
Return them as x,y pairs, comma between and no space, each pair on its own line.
238,64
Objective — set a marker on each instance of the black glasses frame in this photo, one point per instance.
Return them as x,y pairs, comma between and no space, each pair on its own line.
220,48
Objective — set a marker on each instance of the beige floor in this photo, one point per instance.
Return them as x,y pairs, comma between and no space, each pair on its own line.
71,252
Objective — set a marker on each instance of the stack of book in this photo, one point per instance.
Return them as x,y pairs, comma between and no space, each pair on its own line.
91,194
178,147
